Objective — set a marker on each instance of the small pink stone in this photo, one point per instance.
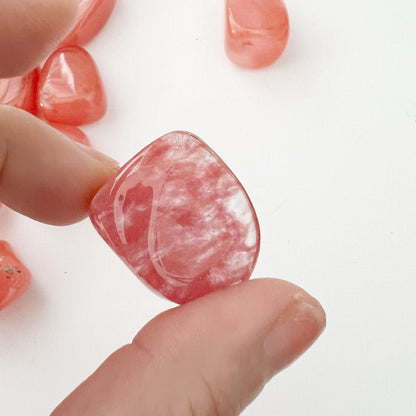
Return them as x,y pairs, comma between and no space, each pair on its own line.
20,91
179,218
257,31
14,276
70,88
73,133
92,16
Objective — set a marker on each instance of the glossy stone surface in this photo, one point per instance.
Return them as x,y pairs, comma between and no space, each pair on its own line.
92,16
70,88
21,91
257,31
73,133
179,218
14,276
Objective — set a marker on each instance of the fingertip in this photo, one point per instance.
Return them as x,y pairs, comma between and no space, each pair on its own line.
30,30
45,175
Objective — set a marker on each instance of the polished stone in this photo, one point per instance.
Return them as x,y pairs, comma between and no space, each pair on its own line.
179,218
257,31
14,276
92,16
73,133
20,91
70,88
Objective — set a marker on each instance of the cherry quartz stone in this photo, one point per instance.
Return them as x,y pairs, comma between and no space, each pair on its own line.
70,88
257,31
73,133
20,91
179,218
92,16
14,276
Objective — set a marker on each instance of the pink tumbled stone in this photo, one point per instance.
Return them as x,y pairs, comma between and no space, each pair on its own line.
179,218
73,133
257,31
20,91
70,88
92,16
14,276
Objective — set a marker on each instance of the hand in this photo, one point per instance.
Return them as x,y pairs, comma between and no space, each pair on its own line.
208,357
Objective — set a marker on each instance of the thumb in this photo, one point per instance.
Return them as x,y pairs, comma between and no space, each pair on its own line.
209,357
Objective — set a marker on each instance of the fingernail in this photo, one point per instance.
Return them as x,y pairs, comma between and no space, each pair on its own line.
101,157
295,330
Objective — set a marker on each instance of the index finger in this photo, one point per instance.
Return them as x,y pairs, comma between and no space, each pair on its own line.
44,175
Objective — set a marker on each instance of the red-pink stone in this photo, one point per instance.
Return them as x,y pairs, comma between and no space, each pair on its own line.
73,133
70,88
257,31
14,276
179,218
92,16
20,91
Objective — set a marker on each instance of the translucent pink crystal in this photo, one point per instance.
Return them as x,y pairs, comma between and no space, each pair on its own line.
257,31
20,91
14,276
70,88
92,16
179,218
73,133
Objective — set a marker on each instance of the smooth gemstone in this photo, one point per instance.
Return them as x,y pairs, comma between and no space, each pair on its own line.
70,88
257,31
179,218
20,91
14,276
73,133
92,16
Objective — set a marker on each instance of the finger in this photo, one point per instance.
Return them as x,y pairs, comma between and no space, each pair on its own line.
30,30
44,175
209,357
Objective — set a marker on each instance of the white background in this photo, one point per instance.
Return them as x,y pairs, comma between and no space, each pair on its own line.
324,142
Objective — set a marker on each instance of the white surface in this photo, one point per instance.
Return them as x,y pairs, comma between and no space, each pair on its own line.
324,142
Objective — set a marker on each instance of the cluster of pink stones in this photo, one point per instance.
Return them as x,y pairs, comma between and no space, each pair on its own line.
66,92
175,213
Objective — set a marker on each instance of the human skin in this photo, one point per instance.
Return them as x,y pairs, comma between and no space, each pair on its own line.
209,357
